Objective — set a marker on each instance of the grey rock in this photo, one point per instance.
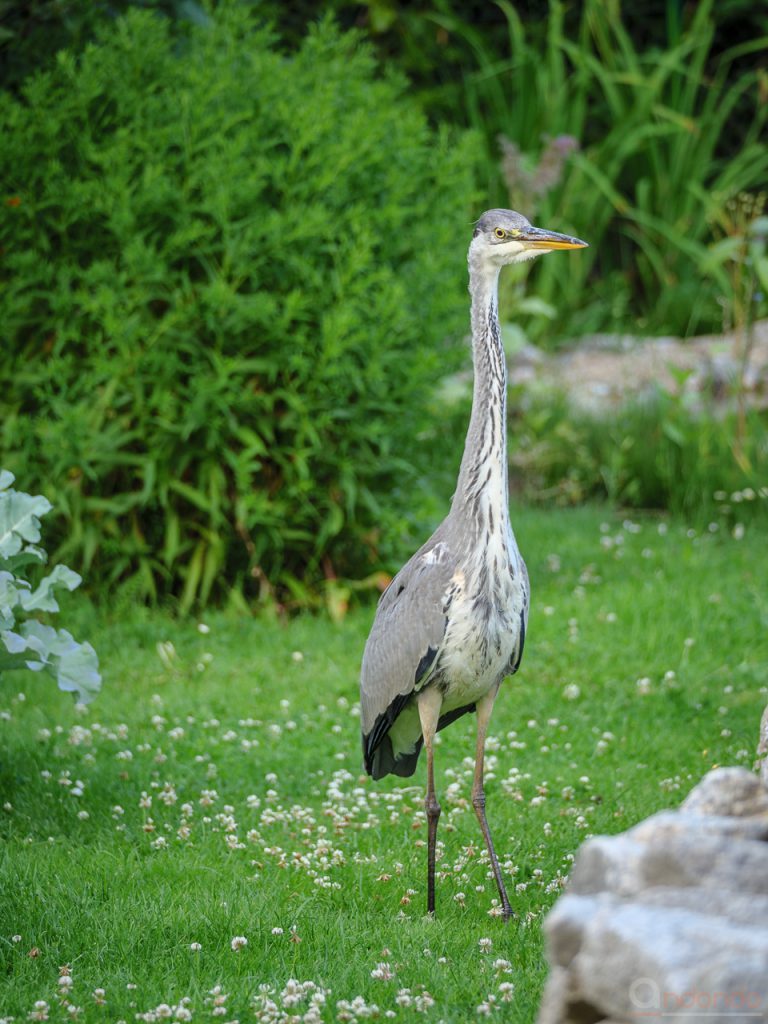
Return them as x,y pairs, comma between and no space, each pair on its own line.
557,995
681,823
669,921
762,749
733,792
624,866
630,963
734,906
604,372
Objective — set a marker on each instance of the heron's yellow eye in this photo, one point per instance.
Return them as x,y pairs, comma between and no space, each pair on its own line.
500,233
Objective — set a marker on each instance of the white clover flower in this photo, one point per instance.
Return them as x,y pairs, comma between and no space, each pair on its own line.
382,972
424,1002
506,991
238,942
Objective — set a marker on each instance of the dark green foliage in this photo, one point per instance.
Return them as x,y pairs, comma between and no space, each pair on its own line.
229,280
657,454
668,136
33,31
666,101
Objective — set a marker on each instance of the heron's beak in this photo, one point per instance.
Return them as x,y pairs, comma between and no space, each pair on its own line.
540,238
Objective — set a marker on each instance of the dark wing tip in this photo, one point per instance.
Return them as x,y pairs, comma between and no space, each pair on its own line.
373,740
382,760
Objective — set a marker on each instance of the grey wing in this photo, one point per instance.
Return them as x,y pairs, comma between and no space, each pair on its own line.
403,645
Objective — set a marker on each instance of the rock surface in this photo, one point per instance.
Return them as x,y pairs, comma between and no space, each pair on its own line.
669,920
728,791
762,749
603,372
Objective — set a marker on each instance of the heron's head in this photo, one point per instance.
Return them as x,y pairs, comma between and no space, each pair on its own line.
503,236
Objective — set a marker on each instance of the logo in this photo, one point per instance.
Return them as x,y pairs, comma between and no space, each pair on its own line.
651,1002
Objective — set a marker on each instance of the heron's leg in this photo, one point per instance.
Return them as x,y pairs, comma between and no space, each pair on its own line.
484,709
429,704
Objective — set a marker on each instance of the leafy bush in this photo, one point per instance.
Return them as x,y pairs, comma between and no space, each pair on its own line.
229,279
26,642
657,454
666,101
668,136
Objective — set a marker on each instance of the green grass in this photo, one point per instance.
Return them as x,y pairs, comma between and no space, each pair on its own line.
335,861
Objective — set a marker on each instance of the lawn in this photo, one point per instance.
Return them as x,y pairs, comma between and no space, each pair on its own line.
200,843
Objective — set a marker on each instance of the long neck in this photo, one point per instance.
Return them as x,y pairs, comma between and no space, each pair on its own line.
482,488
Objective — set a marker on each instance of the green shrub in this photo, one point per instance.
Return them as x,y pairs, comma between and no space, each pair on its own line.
657,454
25,642
668,136
229,280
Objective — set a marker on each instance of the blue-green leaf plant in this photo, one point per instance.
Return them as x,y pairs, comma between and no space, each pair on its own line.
25,642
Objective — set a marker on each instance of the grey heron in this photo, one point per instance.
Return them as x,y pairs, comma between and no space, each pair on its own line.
451,624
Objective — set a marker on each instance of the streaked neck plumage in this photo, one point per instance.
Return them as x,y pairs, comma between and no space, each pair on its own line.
482,489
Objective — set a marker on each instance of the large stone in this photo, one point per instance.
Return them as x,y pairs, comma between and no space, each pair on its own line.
626,961
736,907
667,824
668,921
762,748
625,866
604,372
732,792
